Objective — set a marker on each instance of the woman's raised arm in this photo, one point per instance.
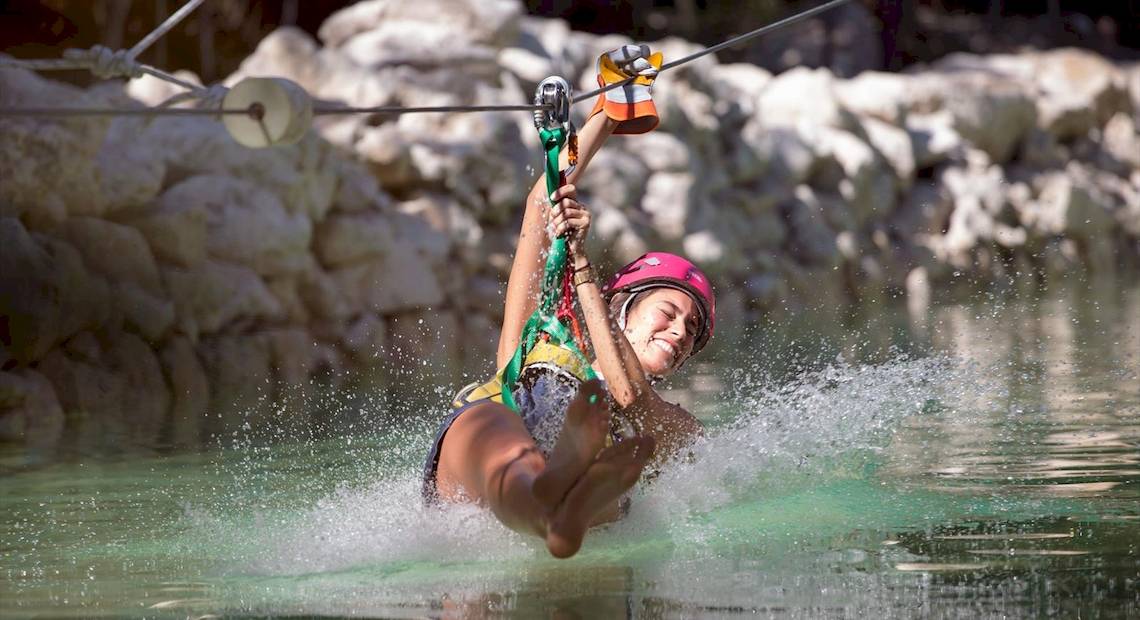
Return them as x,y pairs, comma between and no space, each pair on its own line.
525,281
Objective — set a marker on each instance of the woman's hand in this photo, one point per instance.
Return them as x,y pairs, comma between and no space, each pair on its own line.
570,218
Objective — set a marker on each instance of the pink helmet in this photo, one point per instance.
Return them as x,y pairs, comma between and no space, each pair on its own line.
657,269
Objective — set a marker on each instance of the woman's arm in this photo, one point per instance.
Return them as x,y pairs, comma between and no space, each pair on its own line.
525,282
670,425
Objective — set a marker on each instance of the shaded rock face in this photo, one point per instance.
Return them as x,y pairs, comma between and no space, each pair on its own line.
162,284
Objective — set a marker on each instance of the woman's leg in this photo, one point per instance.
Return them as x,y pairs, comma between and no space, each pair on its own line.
488,456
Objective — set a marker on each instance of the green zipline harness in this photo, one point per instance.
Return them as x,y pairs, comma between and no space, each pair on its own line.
554,320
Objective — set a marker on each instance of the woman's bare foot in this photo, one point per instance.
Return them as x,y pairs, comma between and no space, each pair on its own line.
615,470
583,436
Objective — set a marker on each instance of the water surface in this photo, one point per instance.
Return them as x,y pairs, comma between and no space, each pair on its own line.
975,459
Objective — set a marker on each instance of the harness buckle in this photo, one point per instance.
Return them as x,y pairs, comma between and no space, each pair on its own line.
553,93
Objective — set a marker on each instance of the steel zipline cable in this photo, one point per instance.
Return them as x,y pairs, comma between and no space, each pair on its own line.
102,61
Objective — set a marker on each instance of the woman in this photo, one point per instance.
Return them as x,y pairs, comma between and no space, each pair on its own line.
651,317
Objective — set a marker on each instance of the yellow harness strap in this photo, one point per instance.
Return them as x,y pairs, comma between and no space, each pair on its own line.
544,356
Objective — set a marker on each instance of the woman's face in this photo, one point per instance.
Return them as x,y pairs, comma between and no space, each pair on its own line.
661,327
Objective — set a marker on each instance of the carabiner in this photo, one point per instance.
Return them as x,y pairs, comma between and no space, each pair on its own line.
553,94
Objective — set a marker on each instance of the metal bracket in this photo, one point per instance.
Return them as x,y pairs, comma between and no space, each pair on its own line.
553,94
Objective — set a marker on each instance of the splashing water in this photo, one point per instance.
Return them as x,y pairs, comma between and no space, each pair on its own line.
988,478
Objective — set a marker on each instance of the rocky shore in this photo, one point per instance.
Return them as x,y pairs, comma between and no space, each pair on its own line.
160,284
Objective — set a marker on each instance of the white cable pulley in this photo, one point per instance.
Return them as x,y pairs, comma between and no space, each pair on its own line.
280,112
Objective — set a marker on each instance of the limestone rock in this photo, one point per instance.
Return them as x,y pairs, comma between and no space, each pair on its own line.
401,280
148,314
790,159
212,295
357,190
322,296
992,113
663,152
91,396
245,224
241,383
872,94
668,201
803,95
130,171
894,145
190,392
934,138
48,160
809,238
116,252
46,293
343,239
30,412
1078,90
1122,140
1071,206
479,21
145,400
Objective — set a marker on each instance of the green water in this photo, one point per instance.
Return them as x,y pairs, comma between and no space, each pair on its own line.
976,459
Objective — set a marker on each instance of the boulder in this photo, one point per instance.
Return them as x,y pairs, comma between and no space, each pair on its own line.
212,296
662,152
785,155
1122,140
494,22
343,239
401,280
894,145
668,201
46,293
803,95
91,396
616,178
30,413
358,190
1078,91
176,232
145,399
189,390
872,94
1069,204
934,138
322,296
810,239
49,160
130,171
147,314
245,224
241,383
992,113
116,252
426,342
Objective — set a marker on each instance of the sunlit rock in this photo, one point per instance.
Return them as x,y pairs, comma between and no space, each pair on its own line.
894,145
48,160
803,95
668,200
1077,91
210,296
481,21
873,94
245,224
